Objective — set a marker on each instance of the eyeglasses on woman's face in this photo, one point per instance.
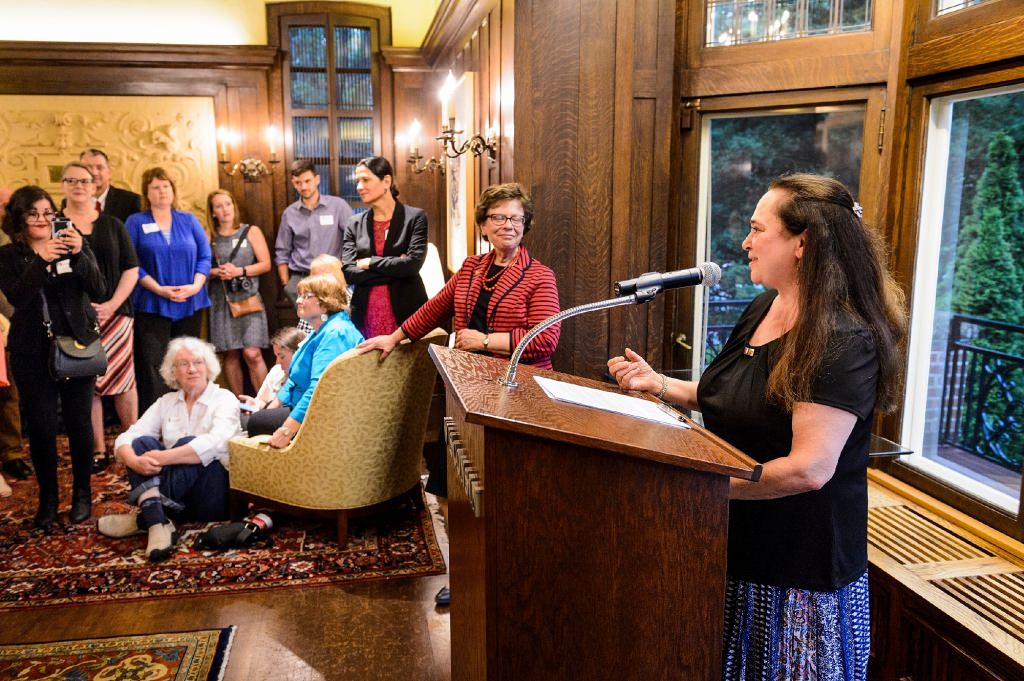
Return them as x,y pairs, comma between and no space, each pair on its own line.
497,219
73,181
36,216
198,362
305,296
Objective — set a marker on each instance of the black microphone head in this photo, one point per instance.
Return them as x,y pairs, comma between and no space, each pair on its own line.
712,274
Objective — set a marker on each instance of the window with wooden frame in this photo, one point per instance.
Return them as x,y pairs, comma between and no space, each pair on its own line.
744,142
331,87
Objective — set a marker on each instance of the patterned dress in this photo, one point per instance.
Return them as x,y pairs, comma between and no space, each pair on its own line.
380,318
227,332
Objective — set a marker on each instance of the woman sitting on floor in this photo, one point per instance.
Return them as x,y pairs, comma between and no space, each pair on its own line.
177,453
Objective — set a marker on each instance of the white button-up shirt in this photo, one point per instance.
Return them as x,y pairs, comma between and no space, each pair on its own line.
213,421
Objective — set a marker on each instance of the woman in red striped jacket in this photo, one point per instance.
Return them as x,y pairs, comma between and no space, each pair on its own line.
495,297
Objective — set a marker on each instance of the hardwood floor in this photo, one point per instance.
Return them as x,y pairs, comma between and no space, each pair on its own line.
379,630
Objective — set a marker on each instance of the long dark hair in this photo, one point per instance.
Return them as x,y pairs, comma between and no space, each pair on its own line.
843,274
380,166
18,206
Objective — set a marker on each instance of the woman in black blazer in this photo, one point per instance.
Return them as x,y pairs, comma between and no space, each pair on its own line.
382,252
62,268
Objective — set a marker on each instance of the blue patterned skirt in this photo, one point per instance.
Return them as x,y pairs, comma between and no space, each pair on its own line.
778,634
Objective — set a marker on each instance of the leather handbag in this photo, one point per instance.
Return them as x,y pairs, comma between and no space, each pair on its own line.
245,306
69,358
240,308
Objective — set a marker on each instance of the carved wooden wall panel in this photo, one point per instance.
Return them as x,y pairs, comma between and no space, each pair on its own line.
42,133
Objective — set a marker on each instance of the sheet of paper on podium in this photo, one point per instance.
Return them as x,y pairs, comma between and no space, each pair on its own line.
610,401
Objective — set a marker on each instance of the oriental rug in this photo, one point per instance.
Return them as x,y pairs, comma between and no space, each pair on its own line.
178,656
74,564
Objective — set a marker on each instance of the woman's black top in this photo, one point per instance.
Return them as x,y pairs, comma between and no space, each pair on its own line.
23,274
814,540
478,320
115,253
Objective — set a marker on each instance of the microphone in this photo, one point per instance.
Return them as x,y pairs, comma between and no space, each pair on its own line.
707,274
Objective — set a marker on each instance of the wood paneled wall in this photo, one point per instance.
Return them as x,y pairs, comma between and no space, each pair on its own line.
236,78
593,112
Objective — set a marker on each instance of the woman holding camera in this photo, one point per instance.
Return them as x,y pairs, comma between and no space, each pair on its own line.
116,258
40,267
240,256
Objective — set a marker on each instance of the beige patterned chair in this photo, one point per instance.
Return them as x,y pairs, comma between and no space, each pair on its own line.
360,444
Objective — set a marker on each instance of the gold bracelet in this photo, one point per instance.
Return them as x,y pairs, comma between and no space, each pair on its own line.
664,387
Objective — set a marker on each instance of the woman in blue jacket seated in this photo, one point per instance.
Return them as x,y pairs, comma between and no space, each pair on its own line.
323,302
174,261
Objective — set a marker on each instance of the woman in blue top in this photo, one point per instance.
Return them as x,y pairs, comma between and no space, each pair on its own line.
323,302
174,261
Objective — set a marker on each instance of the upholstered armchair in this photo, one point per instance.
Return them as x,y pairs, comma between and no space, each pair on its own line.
361,441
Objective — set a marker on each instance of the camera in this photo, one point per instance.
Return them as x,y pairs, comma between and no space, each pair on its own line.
239,284
59,225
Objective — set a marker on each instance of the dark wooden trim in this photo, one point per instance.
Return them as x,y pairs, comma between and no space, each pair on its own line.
53,54
405,59
986,44
928,27
357,9
454,23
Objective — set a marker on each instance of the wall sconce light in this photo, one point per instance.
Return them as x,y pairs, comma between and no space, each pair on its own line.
251,168
414,157
477,143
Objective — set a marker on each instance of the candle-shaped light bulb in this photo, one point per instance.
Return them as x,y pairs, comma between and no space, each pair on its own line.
222,136
414,136
272,141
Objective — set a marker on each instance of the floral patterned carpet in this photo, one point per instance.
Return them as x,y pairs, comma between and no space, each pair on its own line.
73,564
193,655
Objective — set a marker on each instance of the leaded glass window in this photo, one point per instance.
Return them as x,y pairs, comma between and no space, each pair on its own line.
333,96
734,22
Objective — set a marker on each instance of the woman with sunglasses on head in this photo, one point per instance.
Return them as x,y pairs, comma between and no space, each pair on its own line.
116,258
61,270
383,250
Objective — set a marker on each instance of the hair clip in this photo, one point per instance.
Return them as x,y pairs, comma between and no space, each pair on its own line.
858,210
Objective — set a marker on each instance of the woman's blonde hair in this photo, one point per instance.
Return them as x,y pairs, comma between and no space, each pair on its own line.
331,291
212,224
327,264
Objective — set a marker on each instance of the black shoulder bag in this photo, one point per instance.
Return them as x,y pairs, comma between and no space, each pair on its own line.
69,358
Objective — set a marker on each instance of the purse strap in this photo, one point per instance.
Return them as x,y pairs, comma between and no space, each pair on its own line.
234,252
46,315
238,244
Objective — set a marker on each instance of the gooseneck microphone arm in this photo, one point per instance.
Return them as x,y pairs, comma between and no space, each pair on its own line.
635,291
509,379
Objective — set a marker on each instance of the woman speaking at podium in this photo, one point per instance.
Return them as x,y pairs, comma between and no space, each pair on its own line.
795,387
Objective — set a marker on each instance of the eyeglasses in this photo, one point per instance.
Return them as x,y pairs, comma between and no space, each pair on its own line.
305,296
77,180
498,219
185,364
47,215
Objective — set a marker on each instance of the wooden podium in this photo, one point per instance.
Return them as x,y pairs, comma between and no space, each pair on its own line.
583,544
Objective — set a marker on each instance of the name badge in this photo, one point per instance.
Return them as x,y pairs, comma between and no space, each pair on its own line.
326,219
234,243
150,227
63,267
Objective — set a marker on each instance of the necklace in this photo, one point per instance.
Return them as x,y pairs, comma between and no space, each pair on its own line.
490,282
